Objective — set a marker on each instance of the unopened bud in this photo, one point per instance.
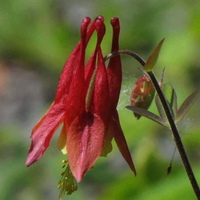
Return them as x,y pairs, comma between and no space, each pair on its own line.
142,94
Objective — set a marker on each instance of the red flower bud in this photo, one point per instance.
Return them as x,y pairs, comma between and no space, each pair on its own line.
142,94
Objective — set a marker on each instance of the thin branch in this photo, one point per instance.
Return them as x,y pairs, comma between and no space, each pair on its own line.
127,52
176,135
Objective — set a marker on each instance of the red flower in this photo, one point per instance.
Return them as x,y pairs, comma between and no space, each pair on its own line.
85,103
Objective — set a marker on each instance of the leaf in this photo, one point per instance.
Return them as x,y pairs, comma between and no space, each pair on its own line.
187,104
171,97
147,114
160,108
151,61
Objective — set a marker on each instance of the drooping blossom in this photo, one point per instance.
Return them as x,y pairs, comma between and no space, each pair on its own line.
85,103
142,94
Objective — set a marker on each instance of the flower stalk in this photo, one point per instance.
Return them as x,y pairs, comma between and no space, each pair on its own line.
176,135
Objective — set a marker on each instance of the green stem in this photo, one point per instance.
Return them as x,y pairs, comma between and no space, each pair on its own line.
169,115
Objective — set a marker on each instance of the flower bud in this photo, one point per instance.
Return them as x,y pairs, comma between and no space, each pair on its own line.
142,94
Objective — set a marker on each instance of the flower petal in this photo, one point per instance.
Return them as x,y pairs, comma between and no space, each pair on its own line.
114,69
74,60
75,101
84,143
121,141
101,102
90,67
43,132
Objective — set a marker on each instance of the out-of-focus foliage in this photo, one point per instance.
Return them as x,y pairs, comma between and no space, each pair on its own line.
36,38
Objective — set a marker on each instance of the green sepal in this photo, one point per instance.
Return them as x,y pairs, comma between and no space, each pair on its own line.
187,104
152,59
160,108
171,97
147,114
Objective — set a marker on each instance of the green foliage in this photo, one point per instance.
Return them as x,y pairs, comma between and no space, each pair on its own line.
152,59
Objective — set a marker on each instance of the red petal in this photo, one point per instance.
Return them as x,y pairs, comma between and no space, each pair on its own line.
68,73
84,143
75,102
92,28
74,60
43,132
114,69
90,67
101,90
121,141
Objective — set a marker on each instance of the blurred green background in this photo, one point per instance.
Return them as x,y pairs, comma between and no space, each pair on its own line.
36,37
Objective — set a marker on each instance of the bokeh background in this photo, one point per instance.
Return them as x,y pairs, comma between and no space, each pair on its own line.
36,37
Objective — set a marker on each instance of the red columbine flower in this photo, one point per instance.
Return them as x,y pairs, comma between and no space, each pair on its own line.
142,94
85,103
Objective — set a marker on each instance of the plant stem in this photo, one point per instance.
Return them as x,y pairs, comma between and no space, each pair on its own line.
169,115
176,135
127,52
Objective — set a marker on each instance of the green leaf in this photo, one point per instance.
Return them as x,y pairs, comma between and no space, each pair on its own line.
187,104
171,97
151,61
148,114
160,108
